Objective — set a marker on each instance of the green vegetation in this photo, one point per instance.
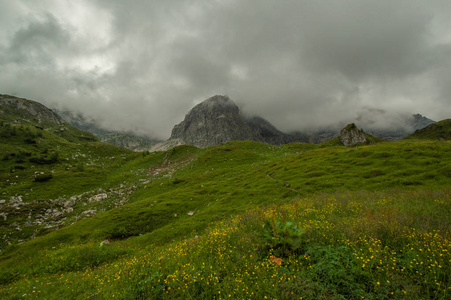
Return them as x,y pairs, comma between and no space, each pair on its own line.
242,220
436,131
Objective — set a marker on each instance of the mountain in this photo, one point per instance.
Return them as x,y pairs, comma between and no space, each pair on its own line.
403,128
22,113
399,127
436,131
127,140
218,120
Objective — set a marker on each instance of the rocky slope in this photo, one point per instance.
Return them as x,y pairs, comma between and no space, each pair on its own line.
23,111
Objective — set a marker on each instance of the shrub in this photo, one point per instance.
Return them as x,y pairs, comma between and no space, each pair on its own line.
42,177
283,236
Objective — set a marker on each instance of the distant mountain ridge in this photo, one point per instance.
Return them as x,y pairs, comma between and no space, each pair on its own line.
437,131
214,121
406,125
127,140
218,120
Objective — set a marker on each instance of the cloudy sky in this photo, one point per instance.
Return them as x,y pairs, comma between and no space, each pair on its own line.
141,65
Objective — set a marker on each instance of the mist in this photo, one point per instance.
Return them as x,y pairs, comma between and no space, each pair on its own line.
142,65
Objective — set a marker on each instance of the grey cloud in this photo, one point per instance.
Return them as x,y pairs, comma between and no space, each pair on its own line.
300,64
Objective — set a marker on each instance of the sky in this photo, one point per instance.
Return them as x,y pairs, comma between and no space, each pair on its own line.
141,65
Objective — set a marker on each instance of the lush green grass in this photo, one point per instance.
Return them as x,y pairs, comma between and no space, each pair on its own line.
355,204
361,244
37,165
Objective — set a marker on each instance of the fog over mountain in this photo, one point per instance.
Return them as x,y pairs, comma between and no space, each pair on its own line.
141,65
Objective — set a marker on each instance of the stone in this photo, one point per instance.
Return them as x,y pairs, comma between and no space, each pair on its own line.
14,200
105,242
351,135
99,197
89,212
69,203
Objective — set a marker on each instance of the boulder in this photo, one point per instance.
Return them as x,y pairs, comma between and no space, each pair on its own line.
351,135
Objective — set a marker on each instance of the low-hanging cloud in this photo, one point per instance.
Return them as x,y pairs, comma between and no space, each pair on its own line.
141,65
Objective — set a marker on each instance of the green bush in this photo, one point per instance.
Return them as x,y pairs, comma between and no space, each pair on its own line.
284,237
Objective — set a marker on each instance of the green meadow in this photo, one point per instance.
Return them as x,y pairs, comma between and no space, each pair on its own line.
242,220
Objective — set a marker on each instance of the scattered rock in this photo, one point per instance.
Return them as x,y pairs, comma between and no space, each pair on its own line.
91,212
69,203
105,242
190,213
14,200
99,197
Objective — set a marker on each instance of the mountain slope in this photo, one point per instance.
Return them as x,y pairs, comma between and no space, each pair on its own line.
181,192
23,113
127,140
44,162
436,131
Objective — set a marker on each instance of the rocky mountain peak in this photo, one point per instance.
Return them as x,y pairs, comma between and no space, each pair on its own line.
214,121
218,120
217,103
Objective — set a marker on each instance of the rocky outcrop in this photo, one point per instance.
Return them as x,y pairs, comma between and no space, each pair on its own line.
218,120
351,135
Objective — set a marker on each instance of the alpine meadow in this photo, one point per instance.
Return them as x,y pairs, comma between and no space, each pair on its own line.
241,220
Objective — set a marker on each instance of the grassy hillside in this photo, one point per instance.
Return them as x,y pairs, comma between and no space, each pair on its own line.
240,220
41,169
437,131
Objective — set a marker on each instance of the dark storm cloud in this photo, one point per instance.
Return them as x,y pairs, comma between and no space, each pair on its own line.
141,65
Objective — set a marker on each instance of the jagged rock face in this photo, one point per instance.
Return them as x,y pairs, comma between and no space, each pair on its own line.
351,135
218,120
28,110
215,121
